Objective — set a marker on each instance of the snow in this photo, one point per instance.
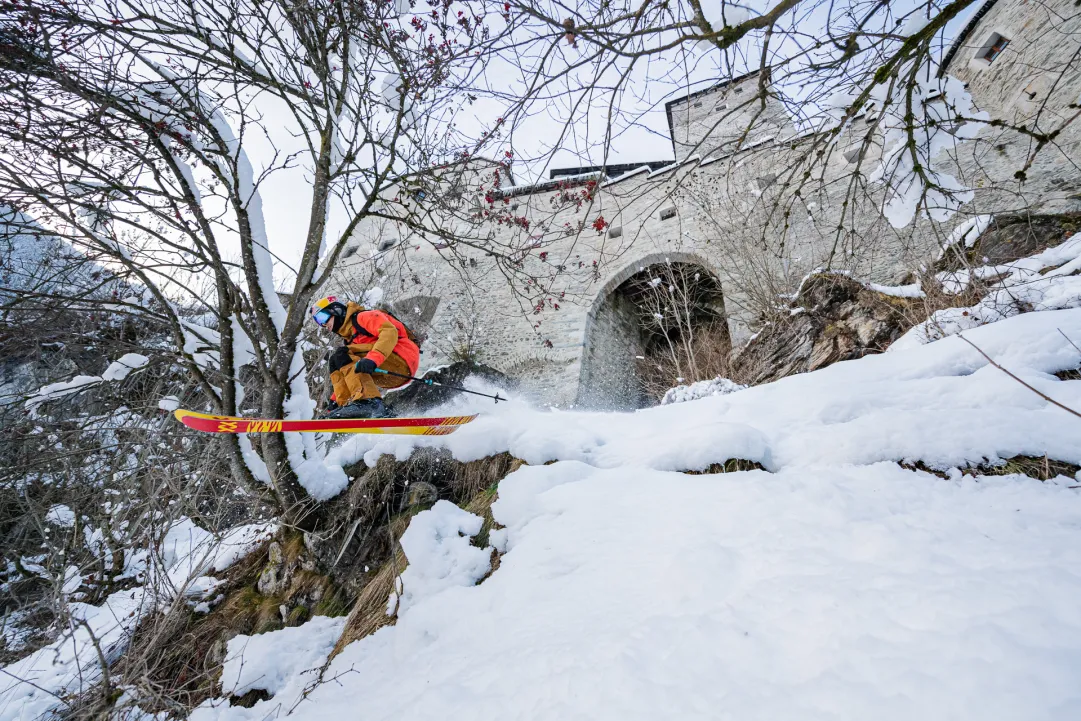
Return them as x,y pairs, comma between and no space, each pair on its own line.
372,297
912,290
72,580
908,164
829,593
55,391
61,515
702,389
31,687
968,231
269,661
437,544
915,22
119,369
169,403
723,14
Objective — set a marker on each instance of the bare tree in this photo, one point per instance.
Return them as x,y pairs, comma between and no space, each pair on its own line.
128,130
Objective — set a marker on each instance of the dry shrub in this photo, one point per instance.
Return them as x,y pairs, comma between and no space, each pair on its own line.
707,354
1041,468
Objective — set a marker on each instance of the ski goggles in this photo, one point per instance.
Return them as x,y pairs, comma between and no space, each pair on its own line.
322,317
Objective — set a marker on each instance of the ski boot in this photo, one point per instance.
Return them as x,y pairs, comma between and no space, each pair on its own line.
363,408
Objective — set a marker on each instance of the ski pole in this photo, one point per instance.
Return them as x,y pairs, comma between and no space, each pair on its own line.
429,382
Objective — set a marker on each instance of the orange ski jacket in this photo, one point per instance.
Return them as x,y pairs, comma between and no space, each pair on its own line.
383,332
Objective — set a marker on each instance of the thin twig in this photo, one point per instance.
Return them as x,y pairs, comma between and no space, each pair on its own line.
1068,340
1041,394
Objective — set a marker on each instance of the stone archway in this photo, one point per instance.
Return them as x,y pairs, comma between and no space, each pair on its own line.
622,338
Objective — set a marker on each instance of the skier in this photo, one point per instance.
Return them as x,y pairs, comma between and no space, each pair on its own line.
372,339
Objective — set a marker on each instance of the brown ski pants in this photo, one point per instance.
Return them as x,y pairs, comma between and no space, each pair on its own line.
351,386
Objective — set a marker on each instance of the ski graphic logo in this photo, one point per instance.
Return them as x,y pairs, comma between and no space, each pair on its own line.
226,426
264,427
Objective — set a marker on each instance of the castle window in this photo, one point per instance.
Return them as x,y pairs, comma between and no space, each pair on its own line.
698,104
668,213
615,231
992,48
387,244
765,181
349,252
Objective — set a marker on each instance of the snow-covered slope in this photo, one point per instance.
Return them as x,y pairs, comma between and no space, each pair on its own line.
833,585
845,593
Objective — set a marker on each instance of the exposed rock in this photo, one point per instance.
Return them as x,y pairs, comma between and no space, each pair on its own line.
1011,238
358,536
419,397
834,318
273,577
421,493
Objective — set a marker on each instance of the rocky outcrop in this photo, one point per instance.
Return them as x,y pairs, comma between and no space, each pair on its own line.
1011,238
833,318
419,397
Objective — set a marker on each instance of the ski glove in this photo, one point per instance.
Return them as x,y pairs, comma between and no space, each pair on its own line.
365,365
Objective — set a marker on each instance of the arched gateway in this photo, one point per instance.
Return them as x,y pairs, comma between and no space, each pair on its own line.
656,321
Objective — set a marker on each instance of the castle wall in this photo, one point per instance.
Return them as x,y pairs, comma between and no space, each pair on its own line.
733,212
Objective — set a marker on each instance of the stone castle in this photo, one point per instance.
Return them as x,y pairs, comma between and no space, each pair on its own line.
551,309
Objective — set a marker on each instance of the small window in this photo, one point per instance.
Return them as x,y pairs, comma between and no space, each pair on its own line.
698,104
615,231
720,107
387,244
668,213
349,252
765,181
992,48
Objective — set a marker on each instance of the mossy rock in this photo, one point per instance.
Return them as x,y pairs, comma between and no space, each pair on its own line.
1010,238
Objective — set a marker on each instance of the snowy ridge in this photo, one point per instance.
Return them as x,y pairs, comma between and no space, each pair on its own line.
941,403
